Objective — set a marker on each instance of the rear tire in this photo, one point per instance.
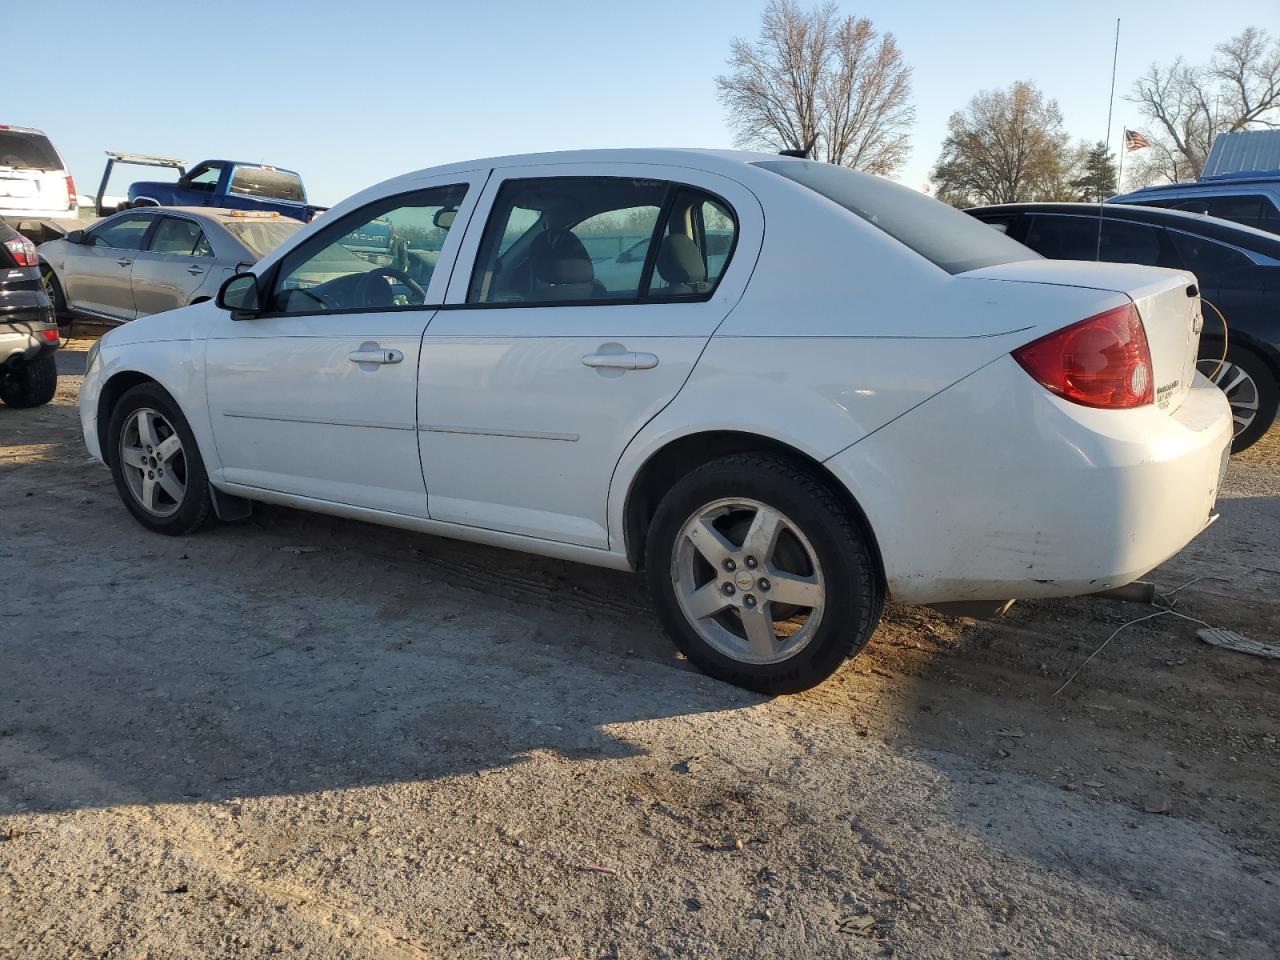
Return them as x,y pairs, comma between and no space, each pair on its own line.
30,385
734,537
156,464
1250,385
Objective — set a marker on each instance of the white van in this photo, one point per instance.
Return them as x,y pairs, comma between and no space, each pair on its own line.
34,182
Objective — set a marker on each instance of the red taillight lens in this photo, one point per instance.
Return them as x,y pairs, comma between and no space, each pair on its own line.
23,251
71,191
50,335
1100,362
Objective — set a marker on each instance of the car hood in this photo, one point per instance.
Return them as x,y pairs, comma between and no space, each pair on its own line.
185,323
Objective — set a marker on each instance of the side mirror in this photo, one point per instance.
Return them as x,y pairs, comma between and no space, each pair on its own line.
239,294
444,217
75,236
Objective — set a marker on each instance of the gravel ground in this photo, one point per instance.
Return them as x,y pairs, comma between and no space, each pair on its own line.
325,739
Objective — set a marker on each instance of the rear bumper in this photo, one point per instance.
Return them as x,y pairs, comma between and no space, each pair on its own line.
22,342
995,489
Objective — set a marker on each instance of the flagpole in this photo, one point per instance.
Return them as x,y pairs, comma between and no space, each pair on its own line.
1111,102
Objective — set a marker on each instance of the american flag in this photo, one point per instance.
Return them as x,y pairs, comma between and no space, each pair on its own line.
1133,140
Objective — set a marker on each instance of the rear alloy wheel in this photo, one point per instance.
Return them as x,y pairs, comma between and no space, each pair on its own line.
156,465
54,291
1251,390
760,575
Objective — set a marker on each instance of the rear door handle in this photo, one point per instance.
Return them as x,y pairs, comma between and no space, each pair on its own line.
626,360
375,356
194,271
123,262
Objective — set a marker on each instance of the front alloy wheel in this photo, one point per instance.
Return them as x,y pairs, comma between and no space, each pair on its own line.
156,464
153,462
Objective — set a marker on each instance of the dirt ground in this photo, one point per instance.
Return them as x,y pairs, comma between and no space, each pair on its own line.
319,738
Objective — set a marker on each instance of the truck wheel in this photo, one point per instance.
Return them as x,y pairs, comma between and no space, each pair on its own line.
760,574
156,464
30,385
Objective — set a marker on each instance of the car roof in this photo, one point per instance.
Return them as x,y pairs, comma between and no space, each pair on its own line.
213,214
1213,227
1215,182
716,161
16,129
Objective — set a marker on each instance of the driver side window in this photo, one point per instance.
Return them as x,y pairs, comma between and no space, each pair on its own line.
380,257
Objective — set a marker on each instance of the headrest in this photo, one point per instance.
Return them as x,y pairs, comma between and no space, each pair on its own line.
558,257
680,261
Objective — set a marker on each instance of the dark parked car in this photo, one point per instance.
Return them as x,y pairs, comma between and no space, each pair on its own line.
28,330
1238,269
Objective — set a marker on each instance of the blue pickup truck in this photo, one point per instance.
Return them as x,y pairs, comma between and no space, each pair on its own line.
229,184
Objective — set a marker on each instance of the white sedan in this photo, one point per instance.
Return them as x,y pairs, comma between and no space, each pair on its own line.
863,394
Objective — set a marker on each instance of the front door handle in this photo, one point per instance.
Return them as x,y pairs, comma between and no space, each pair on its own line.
123,262
194,271
626,360
375,356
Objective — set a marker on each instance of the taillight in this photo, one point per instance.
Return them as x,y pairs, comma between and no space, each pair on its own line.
71,190
1103,361
23,251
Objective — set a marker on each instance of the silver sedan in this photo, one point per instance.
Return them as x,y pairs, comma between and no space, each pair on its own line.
140,262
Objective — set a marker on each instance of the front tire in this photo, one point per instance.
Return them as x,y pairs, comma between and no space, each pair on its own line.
59,300
761,575
31,385
1250,385
156,464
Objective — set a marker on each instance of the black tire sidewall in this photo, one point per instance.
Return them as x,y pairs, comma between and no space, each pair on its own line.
854,595
32,385
197,503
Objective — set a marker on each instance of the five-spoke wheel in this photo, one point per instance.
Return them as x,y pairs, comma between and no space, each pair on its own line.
156,464
153,461
762,573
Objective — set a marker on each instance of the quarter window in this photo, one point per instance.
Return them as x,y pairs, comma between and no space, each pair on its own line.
126,233
181,238
381,257
1211,262
606,239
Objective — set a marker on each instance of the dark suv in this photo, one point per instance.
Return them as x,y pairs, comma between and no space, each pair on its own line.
28,328
1238,269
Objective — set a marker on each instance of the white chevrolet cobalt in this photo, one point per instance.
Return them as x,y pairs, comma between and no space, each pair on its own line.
809,390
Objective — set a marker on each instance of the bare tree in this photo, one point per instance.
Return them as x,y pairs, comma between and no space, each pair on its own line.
1189,105
813,77
1007,146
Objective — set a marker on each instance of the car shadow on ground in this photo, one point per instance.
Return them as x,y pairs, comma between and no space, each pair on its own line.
298,653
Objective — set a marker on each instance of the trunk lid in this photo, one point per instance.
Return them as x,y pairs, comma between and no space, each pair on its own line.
1168,303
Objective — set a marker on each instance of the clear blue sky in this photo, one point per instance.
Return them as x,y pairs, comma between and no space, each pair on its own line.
352,93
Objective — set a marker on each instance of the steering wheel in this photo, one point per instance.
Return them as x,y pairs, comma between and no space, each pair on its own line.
364,290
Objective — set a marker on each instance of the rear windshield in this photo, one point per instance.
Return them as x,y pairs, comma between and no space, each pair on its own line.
262,236
261,182
27,150
943,235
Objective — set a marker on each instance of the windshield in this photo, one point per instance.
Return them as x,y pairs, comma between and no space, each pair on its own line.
19,149
943,235
262,236
265,182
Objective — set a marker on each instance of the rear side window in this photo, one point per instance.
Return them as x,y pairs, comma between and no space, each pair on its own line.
179,237
30,150
1076,238
268,183
610,239
1250,210
1210,262
126,233
941,234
